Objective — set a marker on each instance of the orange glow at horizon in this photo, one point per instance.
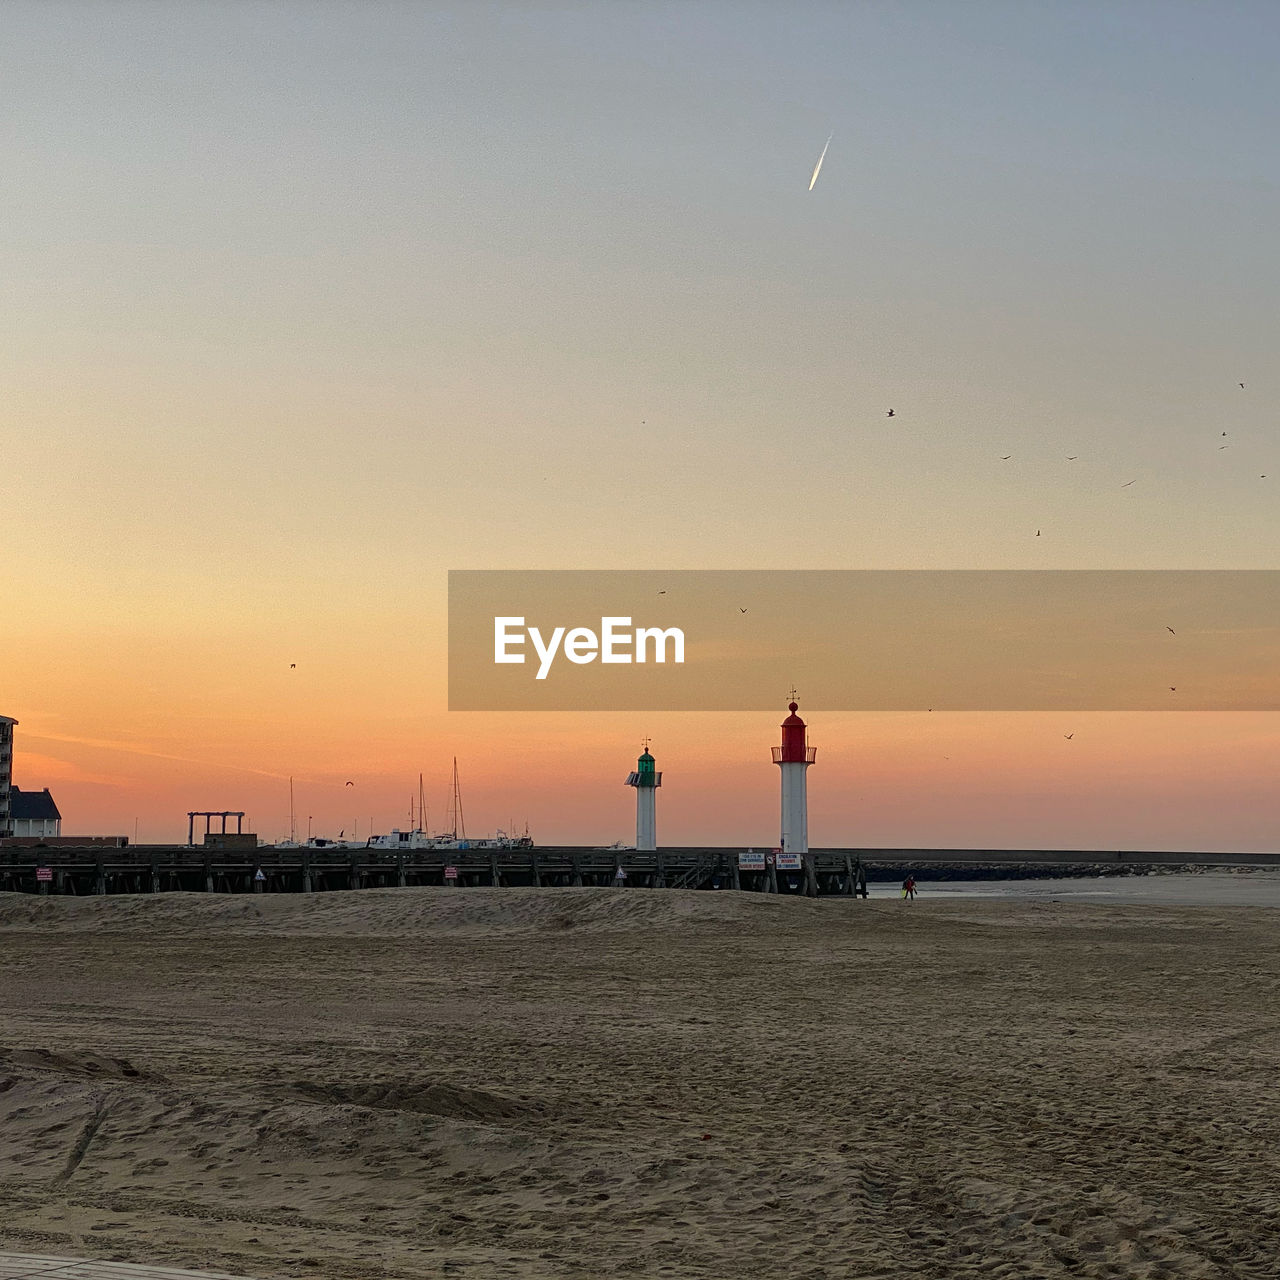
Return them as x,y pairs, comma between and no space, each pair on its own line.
881,780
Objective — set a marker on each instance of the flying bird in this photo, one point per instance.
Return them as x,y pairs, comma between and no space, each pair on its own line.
1037,533
351,784
1171,631
890,413
817,168
662,593
1004,457
1173,688
1068,736
1127,483
741,610
292,665
1073,457
1242,386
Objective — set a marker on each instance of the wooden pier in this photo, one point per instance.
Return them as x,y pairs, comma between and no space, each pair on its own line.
168,868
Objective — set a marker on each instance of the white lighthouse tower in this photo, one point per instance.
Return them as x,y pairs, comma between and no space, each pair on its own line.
646,781
794,758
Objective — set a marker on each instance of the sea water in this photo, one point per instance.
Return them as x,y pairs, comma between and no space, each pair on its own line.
1251,888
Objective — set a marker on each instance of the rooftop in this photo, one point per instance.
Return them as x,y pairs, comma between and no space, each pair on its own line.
33,806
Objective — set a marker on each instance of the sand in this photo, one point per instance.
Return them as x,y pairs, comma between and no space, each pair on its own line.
581,1082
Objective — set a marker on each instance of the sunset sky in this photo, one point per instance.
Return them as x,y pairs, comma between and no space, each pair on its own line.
309,303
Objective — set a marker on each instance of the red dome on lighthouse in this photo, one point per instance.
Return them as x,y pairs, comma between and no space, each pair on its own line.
795,748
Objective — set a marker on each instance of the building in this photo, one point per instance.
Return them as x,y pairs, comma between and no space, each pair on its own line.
23,813
33,813
6,773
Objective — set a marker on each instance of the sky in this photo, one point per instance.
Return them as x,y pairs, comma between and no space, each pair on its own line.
306,304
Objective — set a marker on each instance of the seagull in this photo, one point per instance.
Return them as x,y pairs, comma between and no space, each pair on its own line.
1171,631
817,168
1173,688
1223,446
292,665
1037,533
351,784
1127,483
662,593
1242,386
1004,457
741,610
890,413
1069,736
1072,457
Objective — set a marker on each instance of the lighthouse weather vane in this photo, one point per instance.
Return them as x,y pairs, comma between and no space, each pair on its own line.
791,697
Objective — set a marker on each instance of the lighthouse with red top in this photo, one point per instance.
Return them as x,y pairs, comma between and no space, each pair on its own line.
794,758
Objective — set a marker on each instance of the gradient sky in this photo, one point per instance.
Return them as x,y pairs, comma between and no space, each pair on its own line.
308,303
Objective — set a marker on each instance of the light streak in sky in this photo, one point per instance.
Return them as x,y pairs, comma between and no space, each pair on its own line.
817,168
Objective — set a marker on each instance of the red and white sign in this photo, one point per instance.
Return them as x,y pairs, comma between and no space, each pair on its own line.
44,874
451,873
788,861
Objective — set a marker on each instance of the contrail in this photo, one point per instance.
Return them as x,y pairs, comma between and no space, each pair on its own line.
817,168
130,749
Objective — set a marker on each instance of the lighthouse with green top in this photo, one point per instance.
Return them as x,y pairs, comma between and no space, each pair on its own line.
646,780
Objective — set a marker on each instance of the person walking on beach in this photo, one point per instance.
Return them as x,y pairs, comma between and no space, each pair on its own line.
909,887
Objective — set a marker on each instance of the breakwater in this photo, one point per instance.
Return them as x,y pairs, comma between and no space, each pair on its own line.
269,869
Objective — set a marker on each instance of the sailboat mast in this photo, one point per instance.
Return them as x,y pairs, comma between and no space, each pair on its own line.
293,830
460,823
422,805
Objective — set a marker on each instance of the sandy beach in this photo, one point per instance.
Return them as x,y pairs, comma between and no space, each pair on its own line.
580,1083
